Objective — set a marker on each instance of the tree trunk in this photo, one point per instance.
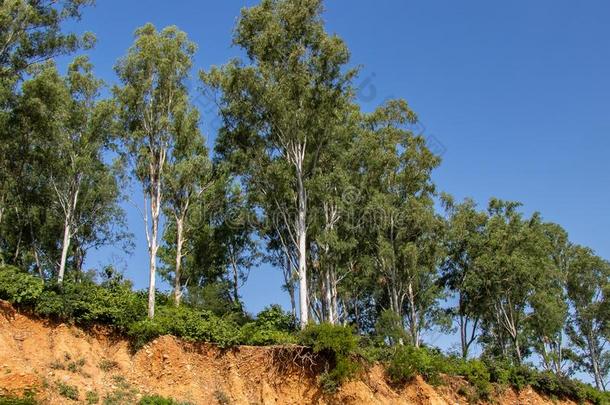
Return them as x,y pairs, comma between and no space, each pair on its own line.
178,269
235,276
64,251
333,297
301,228
330,317
69,209
599,382
413,326
155,203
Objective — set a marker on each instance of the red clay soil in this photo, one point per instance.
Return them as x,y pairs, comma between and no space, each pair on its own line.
44,358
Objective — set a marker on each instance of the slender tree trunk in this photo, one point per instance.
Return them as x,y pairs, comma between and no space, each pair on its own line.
328,298
69,209
599,381
178,269
155,203
413,324
301,228
334,302
64,251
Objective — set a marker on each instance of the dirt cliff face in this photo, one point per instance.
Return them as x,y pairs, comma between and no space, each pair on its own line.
61,361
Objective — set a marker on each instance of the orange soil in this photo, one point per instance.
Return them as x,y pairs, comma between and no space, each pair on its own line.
36,355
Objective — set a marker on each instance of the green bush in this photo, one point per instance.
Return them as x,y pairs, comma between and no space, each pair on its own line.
92,397
477,374
389,329
336,344
272,326
19,287
68,391
408,361
187,323
158,400
27,400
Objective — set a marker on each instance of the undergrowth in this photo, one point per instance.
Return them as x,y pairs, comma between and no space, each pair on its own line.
113,302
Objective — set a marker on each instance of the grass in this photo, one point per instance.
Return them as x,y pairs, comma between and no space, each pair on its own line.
108,365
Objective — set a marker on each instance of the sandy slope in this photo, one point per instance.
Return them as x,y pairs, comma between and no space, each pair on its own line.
36,355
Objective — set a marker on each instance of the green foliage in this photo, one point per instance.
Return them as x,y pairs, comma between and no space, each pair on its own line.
92,397
389,329
19,287
408,361
67,391
107,365
477,374
337,345
159,400
272,326
17,401
187,323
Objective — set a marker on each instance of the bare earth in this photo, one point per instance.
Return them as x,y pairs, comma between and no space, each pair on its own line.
39,356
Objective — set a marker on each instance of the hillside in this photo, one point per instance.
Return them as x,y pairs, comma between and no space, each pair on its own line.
51,358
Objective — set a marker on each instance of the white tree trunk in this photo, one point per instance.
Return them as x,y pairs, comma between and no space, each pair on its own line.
64,251
301,228
69,209
178,270
155,203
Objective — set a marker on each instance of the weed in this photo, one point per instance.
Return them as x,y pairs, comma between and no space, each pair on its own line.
92,397
68,391
107,365
222,398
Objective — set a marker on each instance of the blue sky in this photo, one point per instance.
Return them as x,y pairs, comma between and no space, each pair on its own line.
516,94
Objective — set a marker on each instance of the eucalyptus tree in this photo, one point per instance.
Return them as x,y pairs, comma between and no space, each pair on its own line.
80,168
153,93
588,290
406,230
515,266
281,109
189,175
459,274
30,230
31,32
549,305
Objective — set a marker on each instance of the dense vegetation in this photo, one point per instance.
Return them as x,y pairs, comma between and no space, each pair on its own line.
340,201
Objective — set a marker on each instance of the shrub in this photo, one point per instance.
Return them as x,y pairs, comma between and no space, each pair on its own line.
92,397
17,401
107,365
476,372
68,391
389,329
409,361
19,287
336,344
159,400
222,398
185,322
272,326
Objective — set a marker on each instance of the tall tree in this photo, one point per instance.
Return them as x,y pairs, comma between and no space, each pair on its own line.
81,167
281,110
189,174
463,241
550,306
30,33
406,230
515,266
154,92
588,293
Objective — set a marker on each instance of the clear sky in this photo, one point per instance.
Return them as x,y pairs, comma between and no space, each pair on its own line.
516,95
